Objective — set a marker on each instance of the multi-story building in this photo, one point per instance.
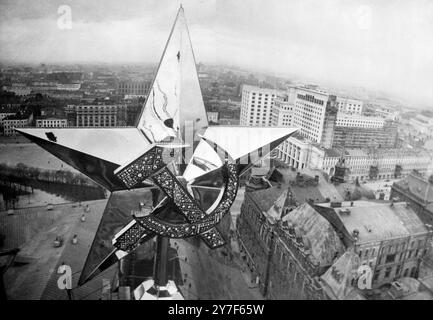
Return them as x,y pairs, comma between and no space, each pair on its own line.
382,110
51,122
313,251
96,115
416,190
4,114
15,121
351,136
212,116
282,112
20,90
324,119
298,152
132,88
314,114
374,163
388,237
349,106
256,105
379,164
359,121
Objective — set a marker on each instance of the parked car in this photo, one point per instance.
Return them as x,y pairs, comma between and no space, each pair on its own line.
58,242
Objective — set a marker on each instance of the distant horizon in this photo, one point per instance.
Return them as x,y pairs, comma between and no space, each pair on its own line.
387,96
379,46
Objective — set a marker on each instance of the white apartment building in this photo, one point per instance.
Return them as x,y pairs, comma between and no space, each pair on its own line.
256,105
298,152
96,115
356,120
299,107
51,123
360,161
15,121
309,113
350,106
282,112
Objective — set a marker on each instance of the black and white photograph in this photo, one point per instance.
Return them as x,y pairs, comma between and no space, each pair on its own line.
218,150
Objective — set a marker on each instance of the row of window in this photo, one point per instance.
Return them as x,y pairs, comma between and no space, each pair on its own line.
388,272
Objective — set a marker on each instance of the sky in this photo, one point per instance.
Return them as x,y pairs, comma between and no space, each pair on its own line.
384,45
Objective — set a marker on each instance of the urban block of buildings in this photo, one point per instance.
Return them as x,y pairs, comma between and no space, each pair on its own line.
315,250
331,128
416,190
10,122
96,115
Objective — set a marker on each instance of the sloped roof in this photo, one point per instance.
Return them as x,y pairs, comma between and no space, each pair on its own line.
323,240
266,198
417,186
338,277
378,221
333,153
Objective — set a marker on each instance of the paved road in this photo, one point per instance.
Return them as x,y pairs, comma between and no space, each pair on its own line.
208,277
38,280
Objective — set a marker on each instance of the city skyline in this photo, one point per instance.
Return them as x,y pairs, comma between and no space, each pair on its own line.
381,46
212,176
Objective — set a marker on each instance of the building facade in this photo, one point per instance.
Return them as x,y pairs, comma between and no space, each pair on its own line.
376,164
362,164
133,88
314,113
298,253
96,115
389,237
277,257
256,105
51,122
349,106
359,121
282,112
385,136
15,121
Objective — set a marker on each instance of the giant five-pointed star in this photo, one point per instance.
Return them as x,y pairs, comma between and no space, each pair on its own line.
173,110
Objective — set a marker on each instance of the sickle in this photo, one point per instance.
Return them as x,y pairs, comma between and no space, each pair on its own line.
153,165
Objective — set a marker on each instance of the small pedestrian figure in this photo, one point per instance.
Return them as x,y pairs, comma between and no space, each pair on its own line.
83,217
75,239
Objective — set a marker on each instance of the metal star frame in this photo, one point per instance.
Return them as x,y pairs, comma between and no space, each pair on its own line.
171,147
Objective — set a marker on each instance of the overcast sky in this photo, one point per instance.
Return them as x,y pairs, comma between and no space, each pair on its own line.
385,44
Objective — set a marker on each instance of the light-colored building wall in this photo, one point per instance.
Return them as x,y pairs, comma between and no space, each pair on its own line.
282,114
51,123
9,125
256,105
347,120
97,115
309,113
350,106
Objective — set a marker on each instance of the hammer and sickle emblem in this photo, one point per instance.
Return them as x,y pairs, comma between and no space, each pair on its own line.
153,165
